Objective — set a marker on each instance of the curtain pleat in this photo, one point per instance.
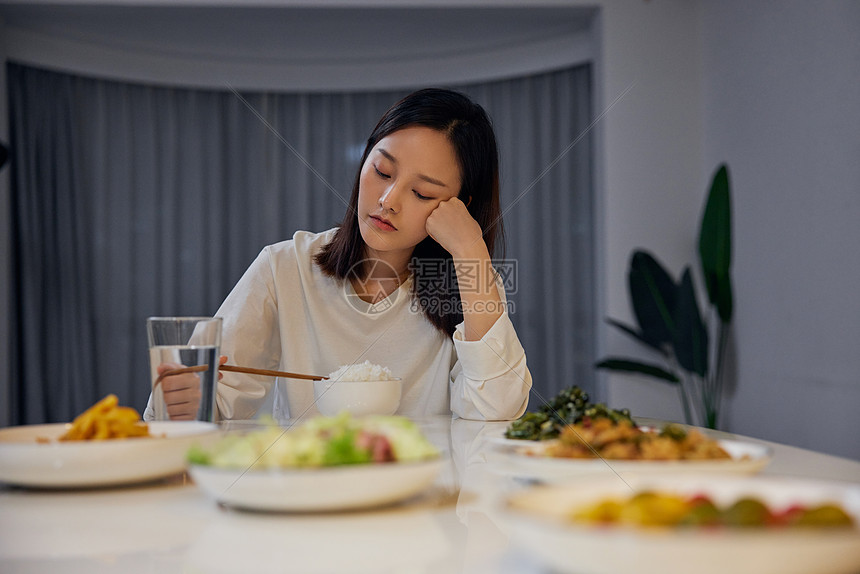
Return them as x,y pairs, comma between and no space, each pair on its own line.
132,200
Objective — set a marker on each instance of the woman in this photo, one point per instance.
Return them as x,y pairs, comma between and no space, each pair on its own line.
405,281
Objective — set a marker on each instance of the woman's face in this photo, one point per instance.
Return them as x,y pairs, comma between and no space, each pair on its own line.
406,176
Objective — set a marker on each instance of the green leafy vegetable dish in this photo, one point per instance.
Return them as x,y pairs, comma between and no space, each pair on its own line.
322,441
569,407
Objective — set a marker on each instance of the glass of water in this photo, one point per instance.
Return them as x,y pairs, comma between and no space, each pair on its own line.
185,342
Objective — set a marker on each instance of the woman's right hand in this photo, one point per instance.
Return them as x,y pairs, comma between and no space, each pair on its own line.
181,393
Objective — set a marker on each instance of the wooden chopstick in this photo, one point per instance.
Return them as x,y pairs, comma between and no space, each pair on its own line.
269,373
235,369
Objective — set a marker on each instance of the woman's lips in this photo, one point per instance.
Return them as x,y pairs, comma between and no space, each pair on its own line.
382,224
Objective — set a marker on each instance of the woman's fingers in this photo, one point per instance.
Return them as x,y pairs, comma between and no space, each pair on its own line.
181,393
453,227
181,386
182,412
164,367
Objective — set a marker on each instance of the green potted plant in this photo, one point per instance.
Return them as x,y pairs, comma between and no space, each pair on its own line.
692,346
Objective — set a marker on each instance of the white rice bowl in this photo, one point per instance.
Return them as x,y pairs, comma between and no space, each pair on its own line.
360,389
365,371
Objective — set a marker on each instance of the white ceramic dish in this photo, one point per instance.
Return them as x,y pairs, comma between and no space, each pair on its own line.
502,441
316,489
537,520
77,464
526,461
359,398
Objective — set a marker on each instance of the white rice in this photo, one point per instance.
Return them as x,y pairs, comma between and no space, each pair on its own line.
365,371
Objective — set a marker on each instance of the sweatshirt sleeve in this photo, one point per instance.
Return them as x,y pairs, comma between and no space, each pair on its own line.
251,336
490,380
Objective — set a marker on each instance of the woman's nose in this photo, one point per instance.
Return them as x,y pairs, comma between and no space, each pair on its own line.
390,199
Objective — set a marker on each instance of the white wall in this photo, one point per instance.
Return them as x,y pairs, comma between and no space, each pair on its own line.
782,107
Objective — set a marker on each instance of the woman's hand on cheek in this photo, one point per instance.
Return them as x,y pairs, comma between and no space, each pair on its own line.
453,227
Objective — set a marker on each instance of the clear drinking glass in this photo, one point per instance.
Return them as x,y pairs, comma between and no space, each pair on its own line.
189,342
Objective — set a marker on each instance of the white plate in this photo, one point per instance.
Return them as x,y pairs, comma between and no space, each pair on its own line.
316,489
75,464
536,520
503,441
747,458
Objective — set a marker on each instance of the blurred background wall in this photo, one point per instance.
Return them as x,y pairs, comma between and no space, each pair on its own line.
781,104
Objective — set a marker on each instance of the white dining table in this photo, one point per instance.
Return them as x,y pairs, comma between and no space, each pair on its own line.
171,526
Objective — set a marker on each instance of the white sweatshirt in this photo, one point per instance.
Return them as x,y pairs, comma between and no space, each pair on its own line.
285,314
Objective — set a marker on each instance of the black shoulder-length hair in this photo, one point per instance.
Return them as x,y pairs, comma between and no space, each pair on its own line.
470,132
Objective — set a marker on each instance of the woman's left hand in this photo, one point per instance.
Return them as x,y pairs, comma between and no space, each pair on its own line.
453,227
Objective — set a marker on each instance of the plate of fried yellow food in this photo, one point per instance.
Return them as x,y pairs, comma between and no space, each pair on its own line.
107,444
608,447
691,524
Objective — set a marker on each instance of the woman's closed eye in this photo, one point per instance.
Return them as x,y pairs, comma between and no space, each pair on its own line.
380,174
387,176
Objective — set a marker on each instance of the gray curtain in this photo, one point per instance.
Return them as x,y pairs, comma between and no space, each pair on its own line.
131,200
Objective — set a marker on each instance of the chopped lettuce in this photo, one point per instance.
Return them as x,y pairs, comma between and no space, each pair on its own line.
198,455
322,441
342,449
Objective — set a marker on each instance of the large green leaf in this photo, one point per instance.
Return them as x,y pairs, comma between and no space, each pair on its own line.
715,244
691,337
724,298
634,334
653,294
629,366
